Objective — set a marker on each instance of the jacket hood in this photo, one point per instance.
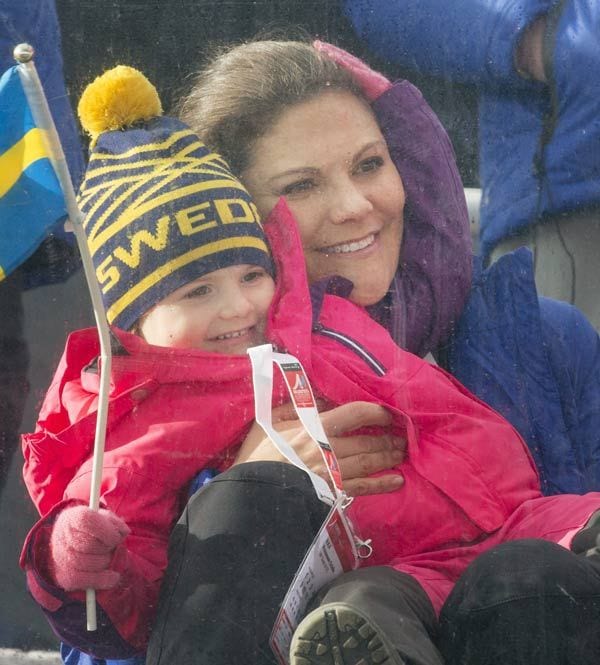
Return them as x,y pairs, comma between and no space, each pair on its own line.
433,281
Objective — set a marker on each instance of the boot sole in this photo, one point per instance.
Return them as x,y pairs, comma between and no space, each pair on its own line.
337,634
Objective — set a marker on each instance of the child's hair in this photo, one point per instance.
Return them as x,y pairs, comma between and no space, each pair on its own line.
161,209
241,93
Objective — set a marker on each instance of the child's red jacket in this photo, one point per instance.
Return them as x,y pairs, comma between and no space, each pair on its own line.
469,480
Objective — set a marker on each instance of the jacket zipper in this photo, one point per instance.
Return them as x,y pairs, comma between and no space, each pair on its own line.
348,342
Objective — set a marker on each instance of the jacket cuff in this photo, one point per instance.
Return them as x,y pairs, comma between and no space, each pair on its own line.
35,561
510,24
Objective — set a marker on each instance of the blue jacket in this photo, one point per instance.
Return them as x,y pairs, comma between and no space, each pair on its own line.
539,145
537,362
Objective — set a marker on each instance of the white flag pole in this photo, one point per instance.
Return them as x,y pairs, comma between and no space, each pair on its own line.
40,110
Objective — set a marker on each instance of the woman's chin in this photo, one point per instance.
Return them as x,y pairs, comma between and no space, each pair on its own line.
368,295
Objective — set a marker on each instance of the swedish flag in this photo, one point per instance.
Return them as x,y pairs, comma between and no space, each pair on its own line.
31,199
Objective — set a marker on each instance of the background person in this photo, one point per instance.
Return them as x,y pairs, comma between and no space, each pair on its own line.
56,259
26,335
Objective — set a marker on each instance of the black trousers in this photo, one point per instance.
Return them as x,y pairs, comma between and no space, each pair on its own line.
241,538
526,602
232,556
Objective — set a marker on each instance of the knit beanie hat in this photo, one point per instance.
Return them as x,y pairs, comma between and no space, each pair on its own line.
161,209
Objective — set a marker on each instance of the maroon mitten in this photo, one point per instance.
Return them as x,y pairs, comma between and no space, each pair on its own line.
82,544
372,83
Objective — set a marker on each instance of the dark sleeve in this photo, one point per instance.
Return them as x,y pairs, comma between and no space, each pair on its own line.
469,41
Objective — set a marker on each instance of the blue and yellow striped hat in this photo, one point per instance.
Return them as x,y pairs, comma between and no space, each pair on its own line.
160,208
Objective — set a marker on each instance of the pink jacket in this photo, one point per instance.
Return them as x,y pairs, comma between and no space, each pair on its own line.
175,412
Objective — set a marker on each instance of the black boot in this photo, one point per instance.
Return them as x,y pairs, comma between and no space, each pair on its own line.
337,634
371,616
587,540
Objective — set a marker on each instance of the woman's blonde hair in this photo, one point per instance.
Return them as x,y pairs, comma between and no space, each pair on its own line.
242,92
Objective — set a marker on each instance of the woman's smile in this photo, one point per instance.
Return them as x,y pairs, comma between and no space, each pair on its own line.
350,246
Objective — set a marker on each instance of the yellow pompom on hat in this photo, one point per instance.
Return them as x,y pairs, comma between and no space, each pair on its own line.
161,209
118,98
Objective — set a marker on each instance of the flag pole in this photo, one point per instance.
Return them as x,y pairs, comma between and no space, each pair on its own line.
23,54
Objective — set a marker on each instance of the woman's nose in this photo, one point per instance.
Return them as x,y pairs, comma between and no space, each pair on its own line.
348,203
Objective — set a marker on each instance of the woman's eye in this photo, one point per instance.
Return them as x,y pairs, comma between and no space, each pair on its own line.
370,164
299,187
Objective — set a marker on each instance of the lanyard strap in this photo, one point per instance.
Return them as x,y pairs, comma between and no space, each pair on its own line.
262,359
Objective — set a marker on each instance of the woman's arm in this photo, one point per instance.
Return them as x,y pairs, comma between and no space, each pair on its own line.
359,455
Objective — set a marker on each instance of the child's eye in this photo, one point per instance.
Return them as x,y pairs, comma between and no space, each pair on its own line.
369,165
254,275
298,187
198,292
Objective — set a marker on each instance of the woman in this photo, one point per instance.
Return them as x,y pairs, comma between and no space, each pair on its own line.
296,125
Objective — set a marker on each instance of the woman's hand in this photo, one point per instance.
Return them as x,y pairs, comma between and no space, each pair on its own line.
372,83
358,455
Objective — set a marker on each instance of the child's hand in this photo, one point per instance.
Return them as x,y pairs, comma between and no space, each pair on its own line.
81,548
372,83
359,455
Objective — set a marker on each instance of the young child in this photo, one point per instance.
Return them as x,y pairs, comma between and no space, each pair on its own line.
184,266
